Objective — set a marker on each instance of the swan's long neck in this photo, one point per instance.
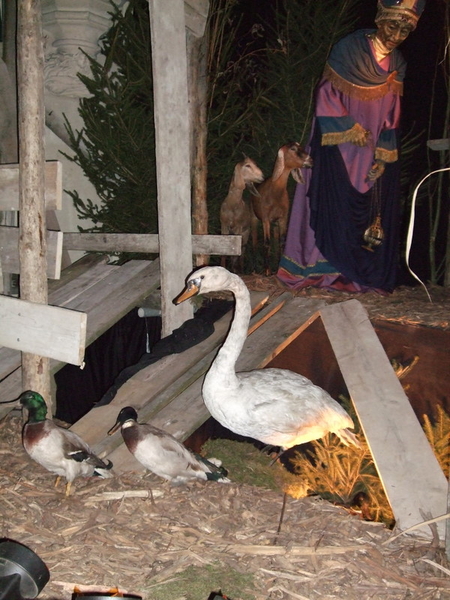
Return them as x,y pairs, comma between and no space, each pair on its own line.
227,356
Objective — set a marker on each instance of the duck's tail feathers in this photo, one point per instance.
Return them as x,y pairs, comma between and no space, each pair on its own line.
216,472
104,471
348,438
101,468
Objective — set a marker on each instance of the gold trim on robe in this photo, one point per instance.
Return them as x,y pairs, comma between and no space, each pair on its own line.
356,134
362,92
386,155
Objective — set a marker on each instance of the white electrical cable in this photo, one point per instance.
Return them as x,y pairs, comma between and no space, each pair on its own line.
411,227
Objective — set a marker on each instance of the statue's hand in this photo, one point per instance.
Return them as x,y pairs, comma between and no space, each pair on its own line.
362,138
376,170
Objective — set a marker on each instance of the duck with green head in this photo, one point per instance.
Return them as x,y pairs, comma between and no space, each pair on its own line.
160,452
58,450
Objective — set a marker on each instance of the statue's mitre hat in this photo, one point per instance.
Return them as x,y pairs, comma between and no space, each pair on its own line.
407,11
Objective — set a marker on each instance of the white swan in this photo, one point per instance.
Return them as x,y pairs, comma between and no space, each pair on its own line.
275,406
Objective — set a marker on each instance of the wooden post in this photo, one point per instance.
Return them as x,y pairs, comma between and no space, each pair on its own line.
32,243
168,36
8,123
198,88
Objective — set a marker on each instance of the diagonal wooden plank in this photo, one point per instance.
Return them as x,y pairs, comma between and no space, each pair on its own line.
114,296
411,475
62,296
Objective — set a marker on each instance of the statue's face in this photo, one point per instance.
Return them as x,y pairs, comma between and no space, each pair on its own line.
392,33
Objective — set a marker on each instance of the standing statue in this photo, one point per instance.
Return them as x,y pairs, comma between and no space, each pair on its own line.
344,224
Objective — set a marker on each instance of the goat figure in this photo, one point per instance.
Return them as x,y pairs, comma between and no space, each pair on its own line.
271,205
235,212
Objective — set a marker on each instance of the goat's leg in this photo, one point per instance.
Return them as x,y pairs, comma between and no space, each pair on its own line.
254,231
266,230
278,239
282,227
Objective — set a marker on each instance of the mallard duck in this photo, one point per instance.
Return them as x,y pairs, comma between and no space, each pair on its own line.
57,449
161,453
275,406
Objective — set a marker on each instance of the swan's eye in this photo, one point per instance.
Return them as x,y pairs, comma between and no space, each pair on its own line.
195,282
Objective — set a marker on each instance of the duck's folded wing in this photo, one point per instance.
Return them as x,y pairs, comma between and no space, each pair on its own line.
76,449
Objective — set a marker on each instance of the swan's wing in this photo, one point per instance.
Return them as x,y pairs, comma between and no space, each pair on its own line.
280,391
281,405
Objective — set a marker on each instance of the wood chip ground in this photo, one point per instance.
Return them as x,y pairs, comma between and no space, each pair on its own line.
135,532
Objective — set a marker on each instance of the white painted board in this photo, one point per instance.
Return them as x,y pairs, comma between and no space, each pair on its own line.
44,330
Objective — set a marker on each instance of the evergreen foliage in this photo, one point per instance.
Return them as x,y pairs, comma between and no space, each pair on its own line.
116,147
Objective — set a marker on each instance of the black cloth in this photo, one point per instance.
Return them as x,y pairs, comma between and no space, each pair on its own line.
191,333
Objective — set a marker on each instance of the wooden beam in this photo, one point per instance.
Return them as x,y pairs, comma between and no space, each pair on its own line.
31,119
222,245
408,468
9,251
45,330
9,186
171,114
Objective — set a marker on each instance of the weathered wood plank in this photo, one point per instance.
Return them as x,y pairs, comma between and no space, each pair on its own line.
112,298
227,245
44,330
186,412
406,464
9,251
9,361
172,141
74,288
9,186
81,266
161,381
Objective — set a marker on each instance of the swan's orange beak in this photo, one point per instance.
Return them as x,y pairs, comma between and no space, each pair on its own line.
191,290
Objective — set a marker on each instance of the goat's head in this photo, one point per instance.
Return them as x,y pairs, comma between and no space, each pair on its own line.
247,173
293,157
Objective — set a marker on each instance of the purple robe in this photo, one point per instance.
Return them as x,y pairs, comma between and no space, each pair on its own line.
333,209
